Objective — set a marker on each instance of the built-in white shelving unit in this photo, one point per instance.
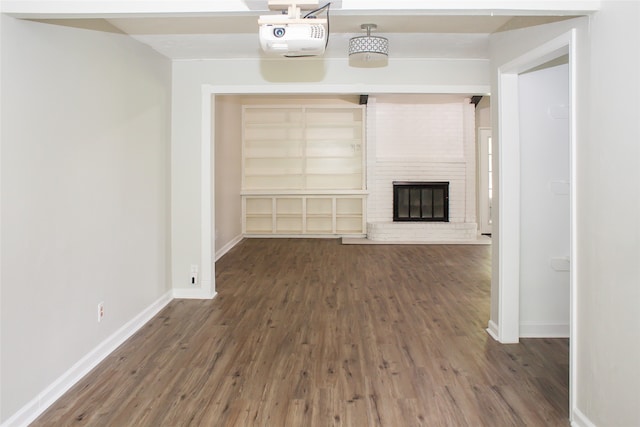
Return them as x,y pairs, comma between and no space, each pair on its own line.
303,170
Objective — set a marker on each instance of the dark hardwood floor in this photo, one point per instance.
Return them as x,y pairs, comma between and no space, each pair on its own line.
314,333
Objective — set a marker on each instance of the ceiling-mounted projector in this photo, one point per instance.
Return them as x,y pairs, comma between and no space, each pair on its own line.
290,35
293,39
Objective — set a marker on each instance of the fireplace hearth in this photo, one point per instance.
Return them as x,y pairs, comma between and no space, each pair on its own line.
420,201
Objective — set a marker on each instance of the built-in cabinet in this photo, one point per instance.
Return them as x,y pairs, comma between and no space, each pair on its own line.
303,170
303,214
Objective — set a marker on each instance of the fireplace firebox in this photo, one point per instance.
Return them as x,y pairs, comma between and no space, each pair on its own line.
420,201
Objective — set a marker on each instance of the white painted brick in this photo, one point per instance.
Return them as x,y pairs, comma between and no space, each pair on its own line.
421,232
421,142
419,130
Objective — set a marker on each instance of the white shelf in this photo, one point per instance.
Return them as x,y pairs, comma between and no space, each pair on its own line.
308,214
303,170
266,172
270,193
318,142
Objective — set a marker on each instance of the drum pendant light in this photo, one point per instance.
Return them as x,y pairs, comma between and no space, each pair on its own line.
368,51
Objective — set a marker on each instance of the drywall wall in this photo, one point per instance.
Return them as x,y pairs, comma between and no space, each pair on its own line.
544,202
228,170
483,139
606,344
608,330
192,80
85,201
483,112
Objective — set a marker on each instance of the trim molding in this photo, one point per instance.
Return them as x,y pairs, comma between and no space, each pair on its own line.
306,89
508,135
544,330
207,200
194,293
492,329
226,248
82,367
580,420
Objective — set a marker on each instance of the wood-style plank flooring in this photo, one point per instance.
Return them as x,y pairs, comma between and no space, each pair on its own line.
314,333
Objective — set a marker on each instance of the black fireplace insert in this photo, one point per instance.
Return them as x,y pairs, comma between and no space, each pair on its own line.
420,201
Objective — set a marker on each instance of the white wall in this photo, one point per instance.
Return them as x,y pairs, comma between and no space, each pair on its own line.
483,112
483,120
544,202
606,380
608,341
85,178
302,76
228,173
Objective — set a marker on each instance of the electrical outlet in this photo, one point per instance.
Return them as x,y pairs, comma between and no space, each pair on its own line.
100,311
193,279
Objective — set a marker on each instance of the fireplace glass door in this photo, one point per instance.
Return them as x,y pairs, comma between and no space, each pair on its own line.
421,201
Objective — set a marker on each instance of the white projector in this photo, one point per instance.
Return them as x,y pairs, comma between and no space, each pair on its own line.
293,39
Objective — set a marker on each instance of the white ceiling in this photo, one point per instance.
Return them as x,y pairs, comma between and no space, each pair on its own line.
229,28
410,36
234,34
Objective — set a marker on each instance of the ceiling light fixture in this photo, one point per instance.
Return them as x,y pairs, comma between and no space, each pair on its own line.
368,51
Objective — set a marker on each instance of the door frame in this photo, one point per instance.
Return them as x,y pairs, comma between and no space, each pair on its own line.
508,178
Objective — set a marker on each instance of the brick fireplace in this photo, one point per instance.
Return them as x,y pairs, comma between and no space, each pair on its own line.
421,139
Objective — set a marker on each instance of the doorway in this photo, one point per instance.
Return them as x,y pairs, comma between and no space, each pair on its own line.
510,158
514,253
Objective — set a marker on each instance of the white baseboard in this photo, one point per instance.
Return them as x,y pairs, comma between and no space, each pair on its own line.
204,291
544,330
580,420
492,329
226,248
55,390
193,293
